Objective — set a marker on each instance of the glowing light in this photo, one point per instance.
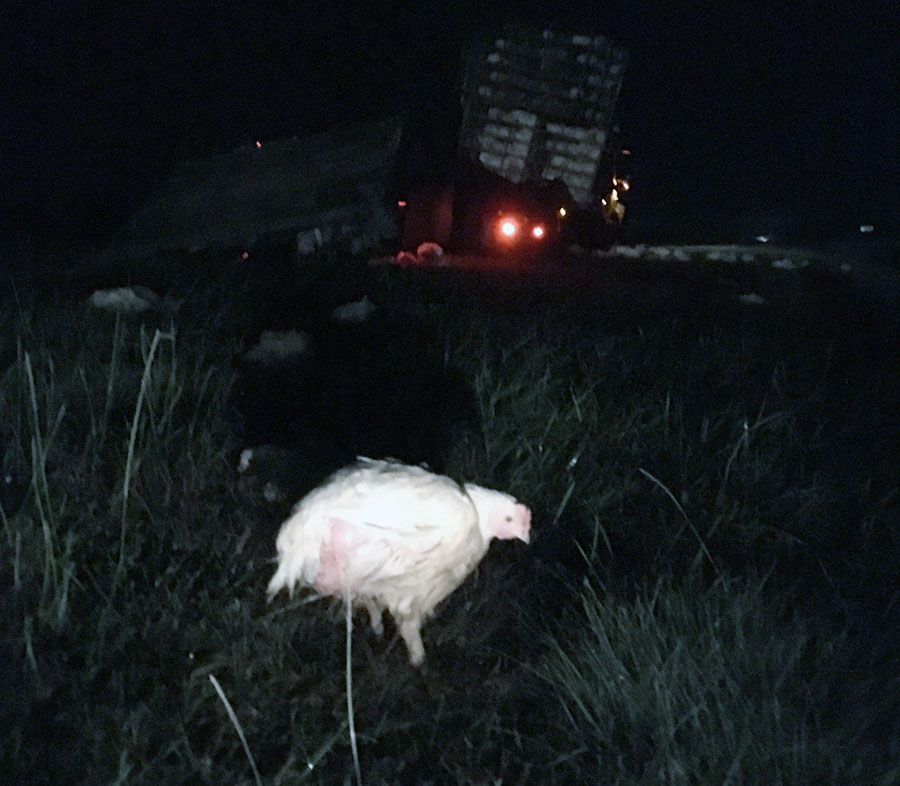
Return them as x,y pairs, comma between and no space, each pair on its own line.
866,228
537,231
626,152
562,212
245,256
508,227
401,203
258,143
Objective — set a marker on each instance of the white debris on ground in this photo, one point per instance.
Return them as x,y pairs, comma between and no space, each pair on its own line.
356,311
404,258
130,300
788,264
783,264
271,492
266,470
245,459
277,346
429,252
775,257
393,536
281,474
629,252
722,255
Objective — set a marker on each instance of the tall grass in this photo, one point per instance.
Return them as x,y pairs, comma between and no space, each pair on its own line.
56,547
710,595
688,684
169,392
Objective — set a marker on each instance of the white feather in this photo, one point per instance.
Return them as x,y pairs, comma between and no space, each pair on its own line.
394,537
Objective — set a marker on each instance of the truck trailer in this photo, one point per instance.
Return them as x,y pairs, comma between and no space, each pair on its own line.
538,110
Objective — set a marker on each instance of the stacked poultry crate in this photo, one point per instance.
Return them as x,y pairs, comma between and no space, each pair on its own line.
538,105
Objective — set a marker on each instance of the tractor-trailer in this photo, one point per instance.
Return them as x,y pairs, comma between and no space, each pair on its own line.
537,116
537,111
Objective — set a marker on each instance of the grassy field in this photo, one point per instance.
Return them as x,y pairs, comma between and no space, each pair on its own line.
710,596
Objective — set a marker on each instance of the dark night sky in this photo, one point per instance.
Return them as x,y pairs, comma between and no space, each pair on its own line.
757,108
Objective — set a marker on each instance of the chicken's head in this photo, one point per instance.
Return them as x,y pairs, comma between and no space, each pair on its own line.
500,515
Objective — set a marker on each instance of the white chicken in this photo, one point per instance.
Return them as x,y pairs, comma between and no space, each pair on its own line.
394,537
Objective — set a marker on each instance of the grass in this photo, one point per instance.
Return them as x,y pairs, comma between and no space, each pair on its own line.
687,684
710,595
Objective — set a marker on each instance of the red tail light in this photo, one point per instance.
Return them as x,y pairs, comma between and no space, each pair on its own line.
509,227
511,230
